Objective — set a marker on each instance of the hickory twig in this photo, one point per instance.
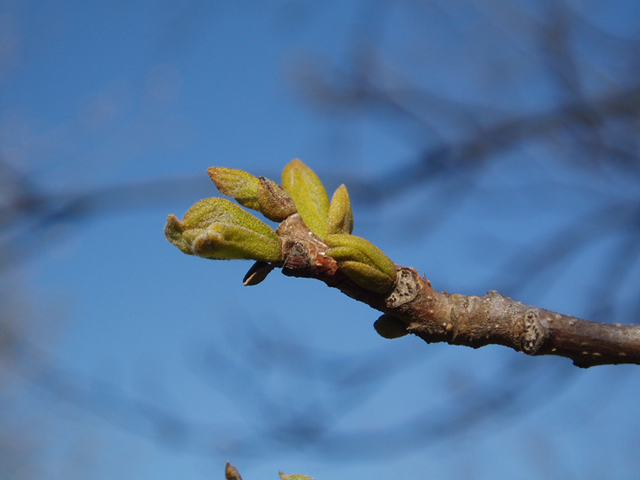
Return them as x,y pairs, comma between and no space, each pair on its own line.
314,239
464,319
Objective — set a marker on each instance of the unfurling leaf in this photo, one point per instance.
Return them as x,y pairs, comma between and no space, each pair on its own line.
390,327
223,241
236,183
309,195
174,232
362,262
274,201
294,476
218,229
340,217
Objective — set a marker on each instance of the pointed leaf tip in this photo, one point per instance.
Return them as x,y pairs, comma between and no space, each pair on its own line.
173,232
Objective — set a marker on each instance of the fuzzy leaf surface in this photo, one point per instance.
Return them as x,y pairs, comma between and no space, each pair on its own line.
217,223
374,255
340,217
309,195
236,183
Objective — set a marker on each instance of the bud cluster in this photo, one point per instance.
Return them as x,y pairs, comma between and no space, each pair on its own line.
218,229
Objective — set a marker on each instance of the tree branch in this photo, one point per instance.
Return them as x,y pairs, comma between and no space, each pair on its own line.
464,319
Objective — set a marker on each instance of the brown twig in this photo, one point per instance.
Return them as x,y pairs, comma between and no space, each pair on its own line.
464,319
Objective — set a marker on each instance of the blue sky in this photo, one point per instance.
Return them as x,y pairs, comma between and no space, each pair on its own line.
144,363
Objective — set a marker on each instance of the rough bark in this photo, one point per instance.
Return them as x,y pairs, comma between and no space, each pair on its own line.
464,319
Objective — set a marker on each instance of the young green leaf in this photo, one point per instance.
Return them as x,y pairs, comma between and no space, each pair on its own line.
366,276
211,210
218,229
174,232
223,241
343,254
309,195
373,254
361,261
236,183
340,217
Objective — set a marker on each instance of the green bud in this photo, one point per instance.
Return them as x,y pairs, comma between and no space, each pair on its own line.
274,201
309,195
294,476
373,254
362,262
340,217
343,254
366,276
237,184
390,327
218,229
